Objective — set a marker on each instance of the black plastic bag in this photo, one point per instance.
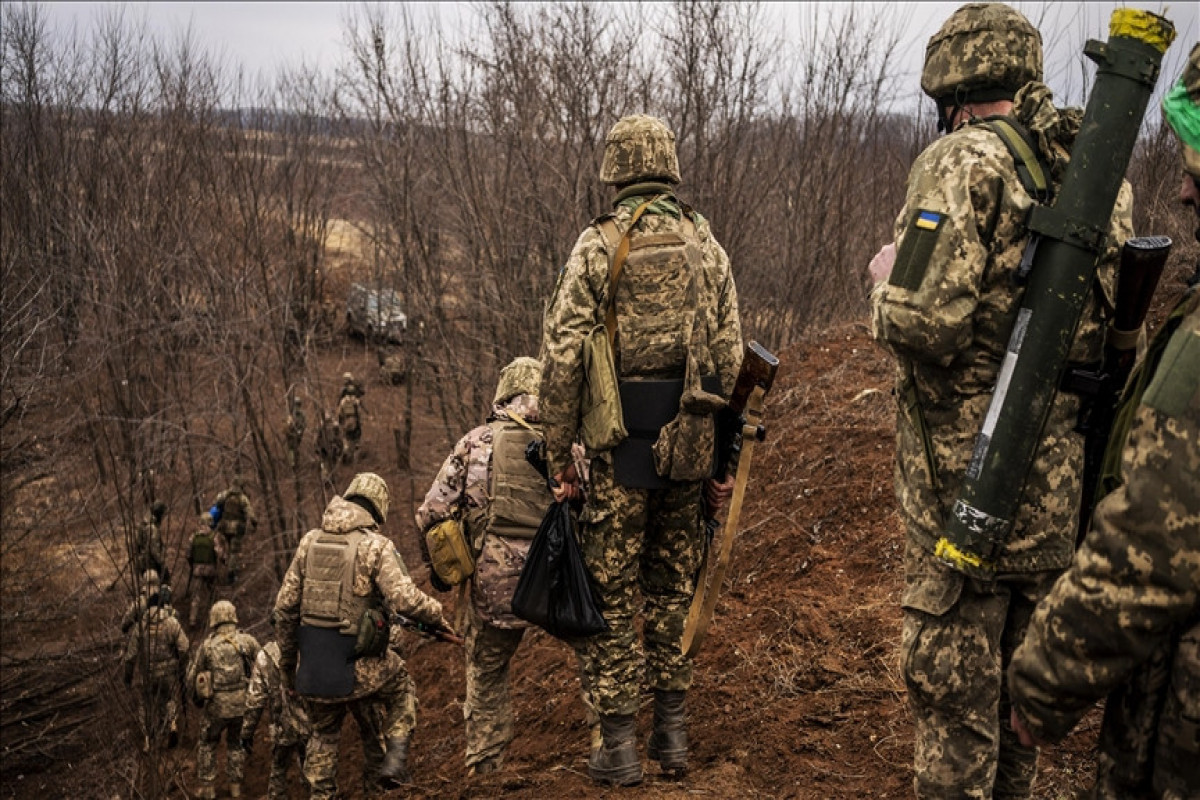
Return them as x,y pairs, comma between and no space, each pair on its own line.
555,589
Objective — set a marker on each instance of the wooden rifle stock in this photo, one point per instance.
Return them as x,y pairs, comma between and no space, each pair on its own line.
758,369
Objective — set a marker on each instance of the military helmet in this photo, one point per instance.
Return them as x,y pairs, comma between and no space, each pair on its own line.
206,520
222,613
158,509
639,148
983,52
150,578
372,488
347,377
521,376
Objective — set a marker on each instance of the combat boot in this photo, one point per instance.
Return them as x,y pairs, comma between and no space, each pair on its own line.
668,742
486,766
616,761
394,771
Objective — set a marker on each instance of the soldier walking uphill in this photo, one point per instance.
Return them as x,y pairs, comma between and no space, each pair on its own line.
350,410
641,528
488,487
156,647
331,615
945,313
217,679
235,518
1124,621
154,593
289,721
206,554
149,552
295,430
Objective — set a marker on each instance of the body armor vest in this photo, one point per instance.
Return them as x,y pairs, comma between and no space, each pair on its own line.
160,643
328,599
227,663
234,508
519,495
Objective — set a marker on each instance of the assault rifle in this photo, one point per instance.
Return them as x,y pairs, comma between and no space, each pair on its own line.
428,631
1142,261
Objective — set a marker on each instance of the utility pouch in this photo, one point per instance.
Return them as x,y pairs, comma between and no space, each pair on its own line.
685,449
204,687
602,425
374,632
449,555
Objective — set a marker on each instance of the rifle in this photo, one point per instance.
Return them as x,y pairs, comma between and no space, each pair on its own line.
1142,261
739,427
428,631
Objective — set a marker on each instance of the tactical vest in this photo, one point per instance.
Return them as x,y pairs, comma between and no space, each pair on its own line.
348,414
160,642
204,548
518,495
652,299
234,508
230,666
327,599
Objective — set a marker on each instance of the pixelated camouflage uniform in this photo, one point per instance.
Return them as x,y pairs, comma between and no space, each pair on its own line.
205,575
149,552
493,634
229,655
1128,610
289,722
137,608
948,330
380,701
237,519
296,424
165,646
329,444
350,421
647,539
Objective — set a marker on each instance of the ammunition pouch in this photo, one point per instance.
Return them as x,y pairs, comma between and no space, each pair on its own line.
663,434
202,690
374,633
326,666
450,556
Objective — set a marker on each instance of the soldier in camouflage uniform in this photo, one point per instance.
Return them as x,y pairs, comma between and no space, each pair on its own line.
329,445
676,278
158,645
235,521
149,552
1124,621
350,410
500,500
289,721
206,555
225,658
346,579
154,592
945,313
296,424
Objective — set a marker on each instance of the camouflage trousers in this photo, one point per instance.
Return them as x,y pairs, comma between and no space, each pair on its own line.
202,600
958,638
211,728
389,713
160,706
488,708
638,541
350,440
285,751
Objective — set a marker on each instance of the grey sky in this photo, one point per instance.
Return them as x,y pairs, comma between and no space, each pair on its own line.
262,36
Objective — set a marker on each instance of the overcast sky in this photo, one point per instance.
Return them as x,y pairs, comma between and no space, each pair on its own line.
262,36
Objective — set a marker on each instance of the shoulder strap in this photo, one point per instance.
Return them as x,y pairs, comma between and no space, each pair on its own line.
1029,167
614,270
517,418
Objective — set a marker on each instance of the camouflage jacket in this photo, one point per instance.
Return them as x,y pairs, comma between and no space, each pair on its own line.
578,305
235,507
946,313
165,642
228,654
219,548
379,574
348,412
289,721
138,607
149,552
461,489
1135,583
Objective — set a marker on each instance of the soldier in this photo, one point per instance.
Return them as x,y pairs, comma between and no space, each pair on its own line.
945,313
158,646
235,518
295,430
148,549
329,445
1124,621
153,593
638,529
217,678
487,484
331,615
350,410
206,555
289,721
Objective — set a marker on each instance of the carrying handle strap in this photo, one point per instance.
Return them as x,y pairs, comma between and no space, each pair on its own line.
614,271
517,418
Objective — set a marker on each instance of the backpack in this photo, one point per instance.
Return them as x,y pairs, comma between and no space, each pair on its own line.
204,548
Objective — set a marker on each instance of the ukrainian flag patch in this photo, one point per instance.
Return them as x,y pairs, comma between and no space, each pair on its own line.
928,220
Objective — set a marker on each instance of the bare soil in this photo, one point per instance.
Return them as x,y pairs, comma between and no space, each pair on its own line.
797,692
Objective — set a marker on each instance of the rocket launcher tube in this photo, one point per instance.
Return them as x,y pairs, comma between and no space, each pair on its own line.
1070,236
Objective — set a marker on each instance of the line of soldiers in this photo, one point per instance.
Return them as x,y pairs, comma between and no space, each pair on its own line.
340,432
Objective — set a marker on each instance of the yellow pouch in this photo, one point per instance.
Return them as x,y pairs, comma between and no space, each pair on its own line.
449,554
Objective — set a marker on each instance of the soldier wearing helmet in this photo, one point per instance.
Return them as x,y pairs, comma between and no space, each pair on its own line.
206,555
148,549
235,518
217,679
670,310
331,615
153,592
490,489
943,305
156,647
350,410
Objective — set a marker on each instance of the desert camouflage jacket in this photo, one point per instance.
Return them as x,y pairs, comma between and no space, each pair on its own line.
578,304
289,721
946,313
137,608
235,508
228,654
379,574
1134,585
166,644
